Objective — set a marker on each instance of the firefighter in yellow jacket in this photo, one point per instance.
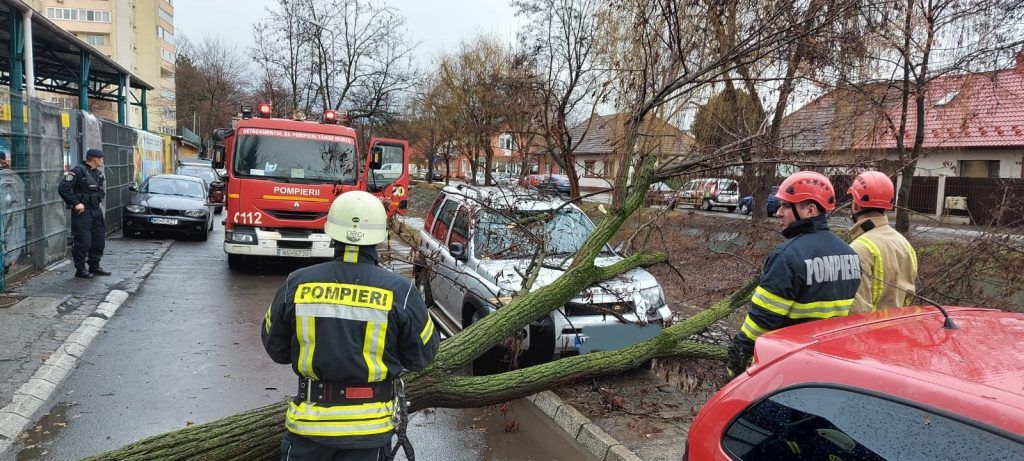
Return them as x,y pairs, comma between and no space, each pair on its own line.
348,328
888,261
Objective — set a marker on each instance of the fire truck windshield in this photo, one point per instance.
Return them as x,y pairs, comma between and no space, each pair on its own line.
293,158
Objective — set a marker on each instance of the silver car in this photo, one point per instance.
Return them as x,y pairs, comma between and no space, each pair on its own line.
475,248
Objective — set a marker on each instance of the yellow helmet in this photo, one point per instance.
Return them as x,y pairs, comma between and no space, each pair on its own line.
357,218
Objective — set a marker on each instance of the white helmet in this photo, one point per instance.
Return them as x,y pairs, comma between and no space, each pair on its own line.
357,218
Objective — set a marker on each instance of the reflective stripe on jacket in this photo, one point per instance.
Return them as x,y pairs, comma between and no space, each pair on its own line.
888,265
348,321
812,275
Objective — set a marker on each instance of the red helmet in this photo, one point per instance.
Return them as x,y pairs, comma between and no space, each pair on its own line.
808,185
872,189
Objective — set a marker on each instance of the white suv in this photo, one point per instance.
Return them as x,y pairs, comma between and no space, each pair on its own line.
474,250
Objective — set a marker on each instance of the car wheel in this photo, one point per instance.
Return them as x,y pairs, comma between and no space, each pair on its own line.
218,210
202,236
493,361
706,205
744,209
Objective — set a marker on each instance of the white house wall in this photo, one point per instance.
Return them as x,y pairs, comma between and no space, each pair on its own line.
936,163
591,183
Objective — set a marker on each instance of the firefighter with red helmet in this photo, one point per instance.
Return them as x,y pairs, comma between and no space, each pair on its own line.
348,328
888,261
811,275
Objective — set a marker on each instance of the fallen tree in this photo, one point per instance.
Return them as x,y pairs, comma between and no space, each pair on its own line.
656,77
255,434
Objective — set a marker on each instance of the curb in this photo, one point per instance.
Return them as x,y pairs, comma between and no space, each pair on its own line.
595,440
32,395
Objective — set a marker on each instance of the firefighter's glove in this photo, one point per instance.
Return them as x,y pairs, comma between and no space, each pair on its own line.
739,359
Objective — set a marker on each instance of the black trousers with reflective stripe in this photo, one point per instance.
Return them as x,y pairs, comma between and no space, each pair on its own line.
298,448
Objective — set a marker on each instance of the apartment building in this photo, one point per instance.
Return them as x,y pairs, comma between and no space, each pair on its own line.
138,35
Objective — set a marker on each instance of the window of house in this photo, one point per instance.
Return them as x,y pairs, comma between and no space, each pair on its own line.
814,423
165,15
590,169
506,141
96,39
164,34
166,55
78,14
609,168
979,168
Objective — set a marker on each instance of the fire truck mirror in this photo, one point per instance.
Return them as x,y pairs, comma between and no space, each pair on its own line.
218,156
377,157
221,134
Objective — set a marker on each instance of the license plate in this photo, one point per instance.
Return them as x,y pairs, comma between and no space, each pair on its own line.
167,221
293,253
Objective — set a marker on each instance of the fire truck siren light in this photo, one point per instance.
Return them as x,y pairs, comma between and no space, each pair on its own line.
330,116
265,110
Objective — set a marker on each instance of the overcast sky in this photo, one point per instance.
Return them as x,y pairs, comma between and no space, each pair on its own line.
439,25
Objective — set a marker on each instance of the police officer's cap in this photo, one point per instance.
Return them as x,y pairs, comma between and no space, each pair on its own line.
94,153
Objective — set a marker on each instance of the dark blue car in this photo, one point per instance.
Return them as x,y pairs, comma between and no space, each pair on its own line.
747,203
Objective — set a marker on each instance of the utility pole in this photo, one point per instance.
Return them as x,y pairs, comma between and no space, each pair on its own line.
194,122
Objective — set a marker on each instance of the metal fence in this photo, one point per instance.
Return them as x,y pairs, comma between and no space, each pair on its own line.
118,168
991,201
922,194
33,227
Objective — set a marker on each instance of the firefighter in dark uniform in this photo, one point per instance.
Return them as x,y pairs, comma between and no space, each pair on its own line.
82,190
348,328
811,275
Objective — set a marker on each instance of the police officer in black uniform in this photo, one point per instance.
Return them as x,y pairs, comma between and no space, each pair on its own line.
349,328
82,190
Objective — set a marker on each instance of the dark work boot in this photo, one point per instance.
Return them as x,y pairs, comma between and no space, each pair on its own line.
83,274
97,270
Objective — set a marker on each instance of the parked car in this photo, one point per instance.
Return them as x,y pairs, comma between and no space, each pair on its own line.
892,385
531,181
661,194
471,259
213,182
555,183
435,175
169,203
388,172
747,203
707,193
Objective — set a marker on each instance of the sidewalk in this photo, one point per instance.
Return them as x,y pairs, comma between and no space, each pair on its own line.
54,304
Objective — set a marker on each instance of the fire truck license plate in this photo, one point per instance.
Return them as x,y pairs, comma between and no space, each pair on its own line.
171,222
294,253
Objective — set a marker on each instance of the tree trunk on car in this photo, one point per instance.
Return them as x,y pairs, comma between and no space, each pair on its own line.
255,434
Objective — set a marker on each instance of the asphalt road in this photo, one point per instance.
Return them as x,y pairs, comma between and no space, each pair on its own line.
186,350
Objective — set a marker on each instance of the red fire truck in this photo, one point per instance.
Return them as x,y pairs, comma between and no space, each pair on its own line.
283,174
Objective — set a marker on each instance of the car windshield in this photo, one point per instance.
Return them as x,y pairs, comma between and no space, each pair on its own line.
498,237
170,186
204,173
291,156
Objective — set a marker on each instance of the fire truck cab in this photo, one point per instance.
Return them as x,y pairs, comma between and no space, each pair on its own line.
283,174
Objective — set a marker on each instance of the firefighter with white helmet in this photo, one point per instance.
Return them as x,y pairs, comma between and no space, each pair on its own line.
348,328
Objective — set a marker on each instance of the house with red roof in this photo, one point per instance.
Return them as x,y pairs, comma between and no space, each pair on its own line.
974,125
